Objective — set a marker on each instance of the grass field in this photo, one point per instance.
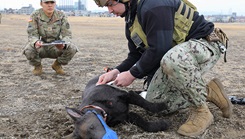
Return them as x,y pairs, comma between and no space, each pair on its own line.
34,106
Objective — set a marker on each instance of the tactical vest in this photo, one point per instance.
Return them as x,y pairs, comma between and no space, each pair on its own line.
182,24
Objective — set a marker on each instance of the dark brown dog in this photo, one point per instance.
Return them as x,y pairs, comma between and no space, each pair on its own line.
112,104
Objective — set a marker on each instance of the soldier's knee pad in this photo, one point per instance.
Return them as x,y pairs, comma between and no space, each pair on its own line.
73,50
29,54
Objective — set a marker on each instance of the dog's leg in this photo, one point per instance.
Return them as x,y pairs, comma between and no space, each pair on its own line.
147,126
136,99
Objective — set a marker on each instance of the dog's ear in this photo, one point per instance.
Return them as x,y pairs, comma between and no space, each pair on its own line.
74,113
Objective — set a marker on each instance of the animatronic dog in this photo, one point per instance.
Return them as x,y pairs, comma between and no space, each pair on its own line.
104,105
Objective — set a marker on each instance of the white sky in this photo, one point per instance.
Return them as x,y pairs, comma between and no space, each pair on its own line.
203,6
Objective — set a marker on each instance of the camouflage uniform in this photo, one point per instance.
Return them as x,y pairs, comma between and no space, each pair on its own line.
42,28
178,82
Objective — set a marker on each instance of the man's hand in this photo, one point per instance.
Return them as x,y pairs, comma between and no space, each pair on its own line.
60,46
107,77
38,44
124,79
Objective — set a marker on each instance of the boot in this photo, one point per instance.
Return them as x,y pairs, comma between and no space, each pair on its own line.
199,120
217,95
57,67
37,70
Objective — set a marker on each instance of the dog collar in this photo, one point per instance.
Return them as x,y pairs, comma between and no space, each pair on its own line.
104,114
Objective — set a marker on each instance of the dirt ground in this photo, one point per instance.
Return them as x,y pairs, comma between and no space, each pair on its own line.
34,106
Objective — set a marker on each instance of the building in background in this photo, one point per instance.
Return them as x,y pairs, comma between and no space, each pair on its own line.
23,10
66,5
81,5
26,10
222,18
70,5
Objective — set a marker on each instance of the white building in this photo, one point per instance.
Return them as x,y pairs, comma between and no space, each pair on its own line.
26,10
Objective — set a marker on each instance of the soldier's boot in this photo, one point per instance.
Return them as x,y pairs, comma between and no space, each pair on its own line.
217,95
199,120
38,70
57,67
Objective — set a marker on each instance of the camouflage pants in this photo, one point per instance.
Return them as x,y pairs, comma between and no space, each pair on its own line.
178,82
36,55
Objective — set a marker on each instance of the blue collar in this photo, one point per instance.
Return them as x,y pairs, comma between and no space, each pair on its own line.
110,134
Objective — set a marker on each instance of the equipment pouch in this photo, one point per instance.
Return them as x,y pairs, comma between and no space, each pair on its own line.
222,36
217,35
212,37
137,35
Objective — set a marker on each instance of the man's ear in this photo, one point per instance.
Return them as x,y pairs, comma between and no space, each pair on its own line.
74,113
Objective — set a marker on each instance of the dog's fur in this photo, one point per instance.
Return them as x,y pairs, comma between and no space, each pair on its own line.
115,102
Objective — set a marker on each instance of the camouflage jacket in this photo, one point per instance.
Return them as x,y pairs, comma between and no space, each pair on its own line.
40,27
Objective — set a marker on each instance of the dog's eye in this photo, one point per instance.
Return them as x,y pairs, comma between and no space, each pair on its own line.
91,127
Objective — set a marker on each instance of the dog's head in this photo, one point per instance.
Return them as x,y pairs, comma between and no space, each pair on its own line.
91,124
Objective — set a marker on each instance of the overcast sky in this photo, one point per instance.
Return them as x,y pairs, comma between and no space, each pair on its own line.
204,6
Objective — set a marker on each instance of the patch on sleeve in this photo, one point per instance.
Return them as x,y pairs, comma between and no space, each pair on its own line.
67,25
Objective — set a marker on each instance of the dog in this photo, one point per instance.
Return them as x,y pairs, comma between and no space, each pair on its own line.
107,105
